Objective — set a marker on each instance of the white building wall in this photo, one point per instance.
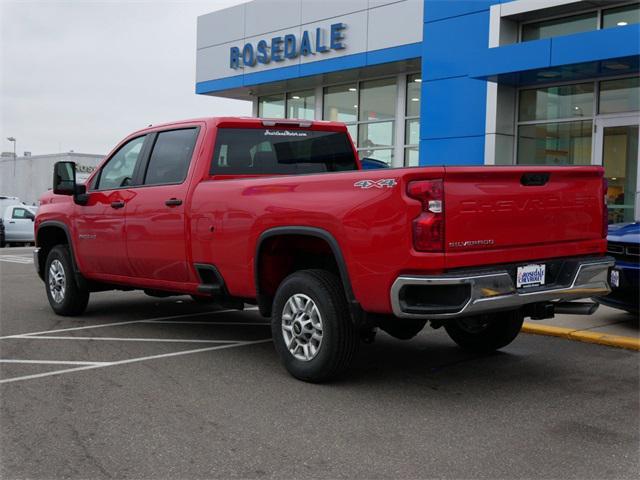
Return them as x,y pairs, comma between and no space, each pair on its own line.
29,177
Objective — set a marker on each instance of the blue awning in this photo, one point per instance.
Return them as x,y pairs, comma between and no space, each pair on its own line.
606,52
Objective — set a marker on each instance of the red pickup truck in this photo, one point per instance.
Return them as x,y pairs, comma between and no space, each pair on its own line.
278,213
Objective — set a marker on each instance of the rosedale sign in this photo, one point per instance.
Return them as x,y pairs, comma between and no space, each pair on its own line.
288,47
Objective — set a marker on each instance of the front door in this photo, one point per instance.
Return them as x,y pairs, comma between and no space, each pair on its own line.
19,226
100,233
617,148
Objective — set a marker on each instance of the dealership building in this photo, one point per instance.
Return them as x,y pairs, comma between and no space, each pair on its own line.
433,82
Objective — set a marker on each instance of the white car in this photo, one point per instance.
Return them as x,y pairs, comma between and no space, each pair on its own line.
18,224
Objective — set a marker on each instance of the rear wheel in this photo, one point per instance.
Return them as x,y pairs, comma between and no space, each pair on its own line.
485,333
65,296
311,326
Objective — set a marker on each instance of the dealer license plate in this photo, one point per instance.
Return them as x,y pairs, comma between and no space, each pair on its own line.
615,278
530,275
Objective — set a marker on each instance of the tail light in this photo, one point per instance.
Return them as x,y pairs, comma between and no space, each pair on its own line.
428,228
605,209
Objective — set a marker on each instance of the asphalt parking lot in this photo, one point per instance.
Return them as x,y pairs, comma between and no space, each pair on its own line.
166,388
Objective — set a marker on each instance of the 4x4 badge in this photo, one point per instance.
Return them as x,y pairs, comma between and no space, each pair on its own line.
383,183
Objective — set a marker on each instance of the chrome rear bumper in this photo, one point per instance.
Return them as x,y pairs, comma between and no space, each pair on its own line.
489,291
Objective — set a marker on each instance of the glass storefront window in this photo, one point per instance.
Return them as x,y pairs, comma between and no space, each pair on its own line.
341,103
382,154
378,99
412,132
413,95
301,105
620,160
620,95
564,143
353,131
561,26
378,134
621,16
411,157
566,101
271,106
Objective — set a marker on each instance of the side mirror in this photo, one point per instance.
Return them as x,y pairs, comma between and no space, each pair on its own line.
64,182
64,178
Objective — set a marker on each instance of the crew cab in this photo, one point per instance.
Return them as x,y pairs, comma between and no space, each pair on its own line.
279,213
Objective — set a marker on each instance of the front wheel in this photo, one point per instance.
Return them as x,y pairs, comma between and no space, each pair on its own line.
485,333
65,296
312,329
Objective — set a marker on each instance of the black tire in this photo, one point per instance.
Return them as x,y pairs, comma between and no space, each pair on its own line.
339,343
73,300
485,333
402,329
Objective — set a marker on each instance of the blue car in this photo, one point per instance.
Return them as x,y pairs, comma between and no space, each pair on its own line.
624,246
372,164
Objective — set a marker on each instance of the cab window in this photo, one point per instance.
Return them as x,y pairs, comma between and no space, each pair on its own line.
22,213
118,172
257,151
170,157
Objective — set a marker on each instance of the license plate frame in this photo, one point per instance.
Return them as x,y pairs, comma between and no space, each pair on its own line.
531,275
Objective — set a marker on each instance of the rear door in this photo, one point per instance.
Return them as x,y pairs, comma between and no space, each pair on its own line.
156,232
507,207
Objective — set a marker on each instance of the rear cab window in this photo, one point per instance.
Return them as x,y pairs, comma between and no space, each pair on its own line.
271,151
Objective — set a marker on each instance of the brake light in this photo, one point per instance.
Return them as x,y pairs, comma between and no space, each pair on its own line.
428,228
605,209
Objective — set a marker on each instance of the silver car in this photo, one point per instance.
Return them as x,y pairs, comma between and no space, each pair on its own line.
18,224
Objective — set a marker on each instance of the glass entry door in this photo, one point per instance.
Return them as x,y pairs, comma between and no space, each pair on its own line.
617,149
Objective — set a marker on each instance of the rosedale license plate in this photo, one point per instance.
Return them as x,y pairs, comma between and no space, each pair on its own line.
615,278
530,275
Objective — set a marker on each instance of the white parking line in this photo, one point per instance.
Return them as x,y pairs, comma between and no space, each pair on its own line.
131,360
16,259
115,324
127,339
187,322
51,362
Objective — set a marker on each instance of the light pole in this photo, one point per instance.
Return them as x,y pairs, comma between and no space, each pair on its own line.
13,139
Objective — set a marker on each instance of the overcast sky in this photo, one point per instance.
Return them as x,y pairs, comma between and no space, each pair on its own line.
80,75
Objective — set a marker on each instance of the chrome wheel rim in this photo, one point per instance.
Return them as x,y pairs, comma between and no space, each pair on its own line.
57,281
302,327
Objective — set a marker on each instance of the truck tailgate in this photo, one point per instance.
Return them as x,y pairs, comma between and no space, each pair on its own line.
513,207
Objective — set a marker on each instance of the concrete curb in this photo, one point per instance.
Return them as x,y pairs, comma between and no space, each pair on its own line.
630,343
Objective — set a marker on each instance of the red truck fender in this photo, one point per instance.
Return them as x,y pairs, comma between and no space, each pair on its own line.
265,300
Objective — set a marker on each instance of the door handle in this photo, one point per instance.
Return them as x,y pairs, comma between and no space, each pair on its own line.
173,202
12,221
117,204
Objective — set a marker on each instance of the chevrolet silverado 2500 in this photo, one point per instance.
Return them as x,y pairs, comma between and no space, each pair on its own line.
280,214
